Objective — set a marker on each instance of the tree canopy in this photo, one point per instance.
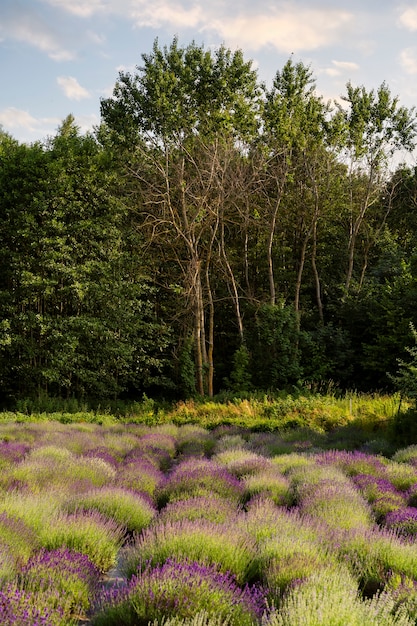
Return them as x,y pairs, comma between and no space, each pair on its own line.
212,233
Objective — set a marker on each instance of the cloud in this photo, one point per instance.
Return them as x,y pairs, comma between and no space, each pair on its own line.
408,60
16,118
349,66
81,8
24,127
285,27
339,68
72,88
286,30
28,27
408,18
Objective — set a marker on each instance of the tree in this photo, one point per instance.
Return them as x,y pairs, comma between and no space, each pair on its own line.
79,321
372,128
178,115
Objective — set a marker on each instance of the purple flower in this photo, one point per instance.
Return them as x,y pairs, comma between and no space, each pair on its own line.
13,451
196,477
352,463
404,521
182,588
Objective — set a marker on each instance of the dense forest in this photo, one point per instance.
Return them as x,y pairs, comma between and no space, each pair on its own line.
212,233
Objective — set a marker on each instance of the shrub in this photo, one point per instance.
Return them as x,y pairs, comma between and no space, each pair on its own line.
87,532
181,589
403,521
199,477
330,597
269,483
70,574
211,508
132,510
230,547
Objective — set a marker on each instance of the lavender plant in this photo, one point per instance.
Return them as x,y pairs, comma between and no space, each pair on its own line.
380,493
230,547
71,575
212,508
22,608
89,532
17,542
271,483
131,510
406,455
352,463
334,499
202,618
330,597
181,589
402,475
241,462
403,521
140,475
193,440
199,477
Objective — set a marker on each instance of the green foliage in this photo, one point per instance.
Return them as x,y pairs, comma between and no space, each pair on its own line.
240,376
406,379
273,345
207,205
187,369
78,318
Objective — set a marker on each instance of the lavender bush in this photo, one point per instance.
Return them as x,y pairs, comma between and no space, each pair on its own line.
71,576
181,589
211,508
199,477
132,510
230,547
403,521
87,532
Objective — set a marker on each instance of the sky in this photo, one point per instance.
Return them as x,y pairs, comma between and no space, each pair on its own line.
61,57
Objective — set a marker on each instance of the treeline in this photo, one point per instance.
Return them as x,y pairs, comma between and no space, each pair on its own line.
211,234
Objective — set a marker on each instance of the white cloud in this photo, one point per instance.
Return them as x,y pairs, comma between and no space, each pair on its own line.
16,118
24,127
349,66
286,27
27,28
72,88
339,68
287,30
81,8
408,60
408,18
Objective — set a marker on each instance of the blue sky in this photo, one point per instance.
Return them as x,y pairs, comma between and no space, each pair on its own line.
61,56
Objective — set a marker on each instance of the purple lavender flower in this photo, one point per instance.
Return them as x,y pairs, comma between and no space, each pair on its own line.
13,451
213,508
183,588
102,453
16,537
403,521
22,608
230,546
196,477
353,463
139,474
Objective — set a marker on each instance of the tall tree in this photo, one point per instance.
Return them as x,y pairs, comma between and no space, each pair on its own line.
373,129
293,122
80,322
177,113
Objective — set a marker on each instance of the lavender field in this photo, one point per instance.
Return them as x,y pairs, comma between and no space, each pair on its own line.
128,524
